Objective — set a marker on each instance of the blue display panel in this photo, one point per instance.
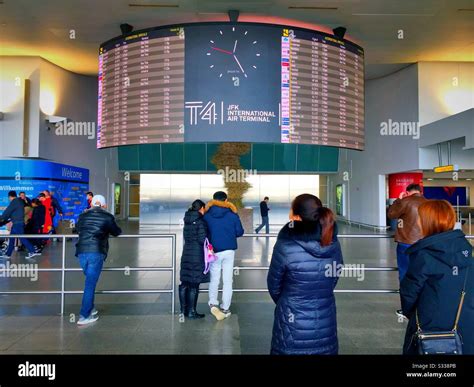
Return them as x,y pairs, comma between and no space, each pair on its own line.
67,183
454,195
218,82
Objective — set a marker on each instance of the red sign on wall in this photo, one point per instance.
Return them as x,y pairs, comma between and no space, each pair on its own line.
398,182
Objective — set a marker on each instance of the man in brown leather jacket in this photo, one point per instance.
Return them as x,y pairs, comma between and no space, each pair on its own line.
405,209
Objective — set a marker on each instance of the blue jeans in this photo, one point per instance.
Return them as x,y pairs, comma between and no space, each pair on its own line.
19,228
402,260
91,264
264,223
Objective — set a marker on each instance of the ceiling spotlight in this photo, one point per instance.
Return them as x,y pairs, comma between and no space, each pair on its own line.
233,15
126,28
339,32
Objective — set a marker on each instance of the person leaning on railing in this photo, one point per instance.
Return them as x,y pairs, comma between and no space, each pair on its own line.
94,227
437,272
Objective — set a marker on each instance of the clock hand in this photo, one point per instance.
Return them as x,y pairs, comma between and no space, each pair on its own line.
221,50
235,46
239,64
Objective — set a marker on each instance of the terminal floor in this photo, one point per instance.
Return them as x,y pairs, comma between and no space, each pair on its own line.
143,324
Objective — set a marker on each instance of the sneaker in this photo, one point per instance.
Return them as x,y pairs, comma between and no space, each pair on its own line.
94,312
89,320
32,255
226,312
216,312
400,314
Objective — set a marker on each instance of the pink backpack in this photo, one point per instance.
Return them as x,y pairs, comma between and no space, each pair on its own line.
209,255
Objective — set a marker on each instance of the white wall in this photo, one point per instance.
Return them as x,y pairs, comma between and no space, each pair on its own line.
13,72
59,92
445,88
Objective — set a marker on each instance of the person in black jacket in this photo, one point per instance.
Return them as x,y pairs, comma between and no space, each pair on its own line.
94,228
15,212
36,222
264,214
192,260
438,267
304,270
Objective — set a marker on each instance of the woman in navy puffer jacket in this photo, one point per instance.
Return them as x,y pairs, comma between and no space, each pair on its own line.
303,273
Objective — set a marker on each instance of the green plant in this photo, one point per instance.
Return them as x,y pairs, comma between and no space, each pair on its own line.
227,158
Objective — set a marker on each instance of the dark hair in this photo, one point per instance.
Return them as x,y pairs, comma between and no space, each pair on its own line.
22,192
220,195
12,194
266,198
89,193
306,207
414,187
41,195
49,192
310,209
36,201
197,205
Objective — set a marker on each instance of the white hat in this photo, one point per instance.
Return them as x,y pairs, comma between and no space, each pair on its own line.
98,201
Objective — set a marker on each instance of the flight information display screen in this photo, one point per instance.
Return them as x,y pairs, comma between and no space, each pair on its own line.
224,82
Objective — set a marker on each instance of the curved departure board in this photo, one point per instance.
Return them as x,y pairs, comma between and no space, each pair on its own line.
216,82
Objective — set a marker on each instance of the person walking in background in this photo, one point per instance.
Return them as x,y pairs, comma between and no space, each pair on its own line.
54,208
405,209
224,228
94,227
48,220
89,196
36,223
264,214
192,260
15,212
301,280
441,264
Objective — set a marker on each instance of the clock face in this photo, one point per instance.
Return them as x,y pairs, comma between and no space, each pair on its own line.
233,54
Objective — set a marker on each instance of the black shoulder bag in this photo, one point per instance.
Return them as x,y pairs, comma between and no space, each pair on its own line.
445,342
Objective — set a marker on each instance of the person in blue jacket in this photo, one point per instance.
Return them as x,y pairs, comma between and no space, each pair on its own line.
303,273
435,278
224,228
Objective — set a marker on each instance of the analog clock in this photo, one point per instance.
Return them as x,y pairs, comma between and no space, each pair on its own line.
233,54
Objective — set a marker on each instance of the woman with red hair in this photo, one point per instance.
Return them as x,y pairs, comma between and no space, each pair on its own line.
435,278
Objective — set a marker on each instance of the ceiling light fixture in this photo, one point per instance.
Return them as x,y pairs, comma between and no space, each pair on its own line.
233,15
339,32
126,28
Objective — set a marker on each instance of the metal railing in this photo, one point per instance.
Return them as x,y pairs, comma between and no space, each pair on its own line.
63,269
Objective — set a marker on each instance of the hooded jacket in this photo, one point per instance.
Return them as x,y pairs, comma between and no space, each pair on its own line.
224,225
433,283
301,282
192,260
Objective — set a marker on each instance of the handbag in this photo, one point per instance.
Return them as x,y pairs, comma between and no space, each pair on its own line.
209,256
443,342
